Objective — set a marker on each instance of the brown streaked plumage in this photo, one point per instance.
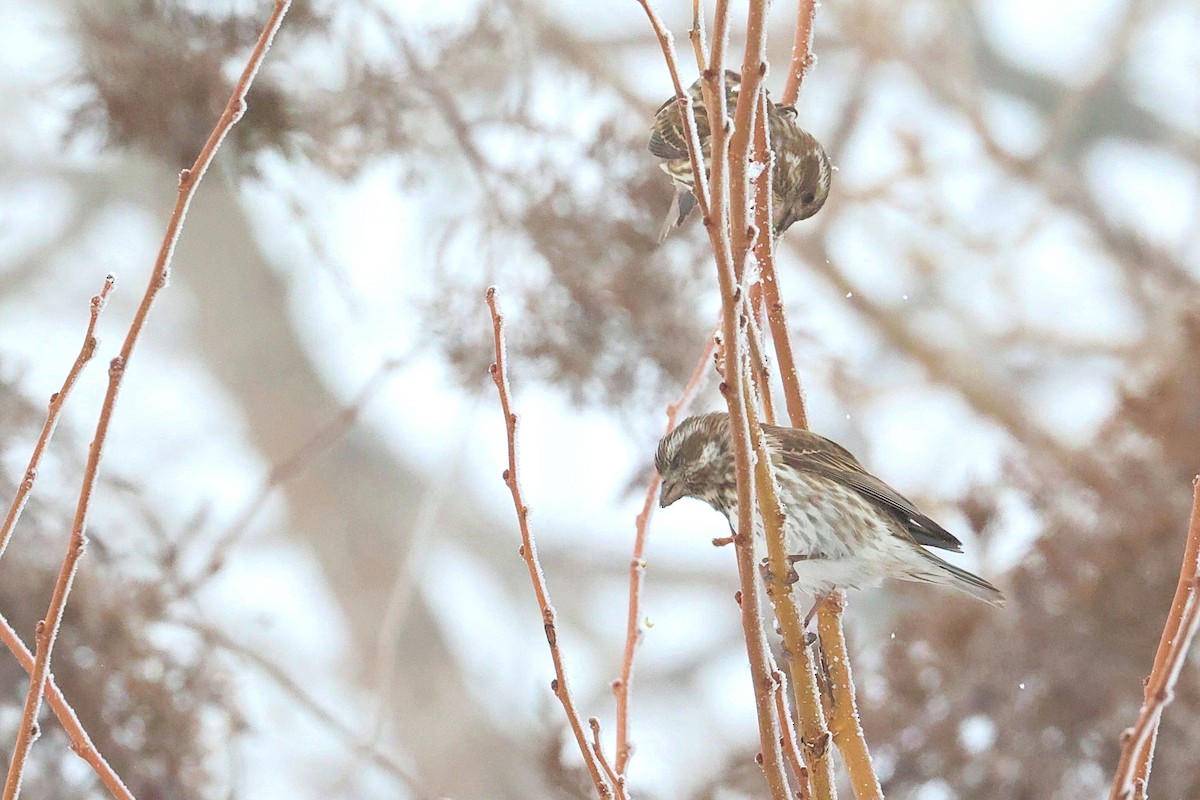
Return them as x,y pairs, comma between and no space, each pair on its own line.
801,178
845,527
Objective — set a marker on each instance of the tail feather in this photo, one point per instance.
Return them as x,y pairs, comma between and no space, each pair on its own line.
681,205
962,580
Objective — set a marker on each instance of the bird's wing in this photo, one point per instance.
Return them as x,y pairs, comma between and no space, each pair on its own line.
809,452
667,136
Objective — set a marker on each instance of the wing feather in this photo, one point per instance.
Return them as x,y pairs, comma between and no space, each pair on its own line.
809,452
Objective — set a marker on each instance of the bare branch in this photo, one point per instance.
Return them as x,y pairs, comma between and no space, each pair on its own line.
57,401
637,566
687,112
802,57
529,551
764,250
618,781
1183,620
189,179
81,743
696,34
843,717
787,738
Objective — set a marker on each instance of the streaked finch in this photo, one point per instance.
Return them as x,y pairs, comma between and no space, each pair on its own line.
844,528
800,182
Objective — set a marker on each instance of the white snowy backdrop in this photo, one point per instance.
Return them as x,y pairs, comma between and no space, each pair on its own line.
998,311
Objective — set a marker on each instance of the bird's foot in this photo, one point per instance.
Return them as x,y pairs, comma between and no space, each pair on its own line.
790,577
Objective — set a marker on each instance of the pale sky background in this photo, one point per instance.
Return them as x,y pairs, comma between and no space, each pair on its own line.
184,440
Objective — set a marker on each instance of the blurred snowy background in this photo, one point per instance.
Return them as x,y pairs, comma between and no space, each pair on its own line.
998,310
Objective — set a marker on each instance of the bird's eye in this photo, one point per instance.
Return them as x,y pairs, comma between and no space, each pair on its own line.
808,198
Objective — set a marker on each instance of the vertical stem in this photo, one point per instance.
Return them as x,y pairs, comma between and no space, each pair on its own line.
843,721
57,401
637,566
843,716
814,735
1183,620
560,687
802,57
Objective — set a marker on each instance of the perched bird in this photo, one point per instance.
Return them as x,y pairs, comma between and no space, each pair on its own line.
844,528
800,182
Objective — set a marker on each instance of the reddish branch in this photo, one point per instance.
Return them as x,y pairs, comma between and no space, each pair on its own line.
57,401
814,733
598,751
843,716
47,629
787,738
802,57
81,743
764,252
687,112
637,566
814,737
528,551
1183,620
730,239
696,34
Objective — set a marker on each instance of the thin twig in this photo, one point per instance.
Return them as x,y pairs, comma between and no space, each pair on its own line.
758,360
696,34
814,733
189,179
1183,620
57,401
529,550
743,230
637,565
717,224
787,737
687,110
81,743
843,723
764,252
802,57
618,781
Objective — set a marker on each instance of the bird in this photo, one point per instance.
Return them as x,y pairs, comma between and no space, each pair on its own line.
843,527
802,173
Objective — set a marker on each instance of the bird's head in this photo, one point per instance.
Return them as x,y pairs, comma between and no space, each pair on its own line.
696,460
802,175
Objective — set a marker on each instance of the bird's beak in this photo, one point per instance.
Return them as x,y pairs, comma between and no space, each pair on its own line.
670,493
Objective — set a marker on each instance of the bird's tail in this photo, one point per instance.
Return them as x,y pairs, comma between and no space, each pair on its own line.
681,205
962,580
